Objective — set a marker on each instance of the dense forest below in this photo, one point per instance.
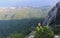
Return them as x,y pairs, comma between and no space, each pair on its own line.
25,26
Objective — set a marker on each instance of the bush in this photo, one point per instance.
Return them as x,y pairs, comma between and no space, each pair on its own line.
44,32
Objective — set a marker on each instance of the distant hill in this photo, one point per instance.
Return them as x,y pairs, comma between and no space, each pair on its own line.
10,13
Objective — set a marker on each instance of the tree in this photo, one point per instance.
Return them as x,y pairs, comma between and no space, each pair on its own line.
44,32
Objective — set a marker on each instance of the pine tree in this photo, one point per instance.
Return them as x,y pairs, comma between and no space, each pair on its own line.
39,30
44,32
48,33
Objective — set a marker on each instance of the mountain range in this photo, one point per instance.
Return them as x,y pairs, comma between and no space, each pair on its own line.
16,13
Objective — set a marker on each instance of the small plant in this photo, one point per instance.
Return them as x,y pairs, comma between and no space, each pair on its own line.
44,32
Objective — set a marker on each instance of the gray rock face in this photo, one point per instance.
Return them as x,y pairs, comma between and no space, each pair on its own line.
53,17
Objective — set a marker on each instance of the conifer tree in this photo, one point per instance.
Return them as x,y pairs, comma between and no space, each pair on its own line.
44,32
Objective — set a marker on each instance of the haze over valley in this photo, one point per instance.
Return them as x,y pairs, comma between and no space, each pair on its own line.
17,13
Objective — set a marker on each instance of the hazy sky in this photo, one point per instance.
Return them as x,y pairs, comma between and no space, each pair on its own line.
35,3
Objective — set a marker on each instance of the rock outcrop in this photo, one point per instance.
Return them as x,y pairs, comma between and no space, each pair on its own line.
53,18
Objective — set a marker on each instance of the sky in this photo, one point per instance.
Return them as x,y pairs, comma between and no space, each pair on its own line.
33,3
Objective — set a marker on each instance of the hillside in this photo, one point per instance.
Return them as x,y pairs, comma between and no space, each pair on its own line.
10,13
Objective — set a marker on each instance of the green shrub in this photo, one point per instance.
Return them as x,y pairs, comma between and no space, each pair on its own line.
44,32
